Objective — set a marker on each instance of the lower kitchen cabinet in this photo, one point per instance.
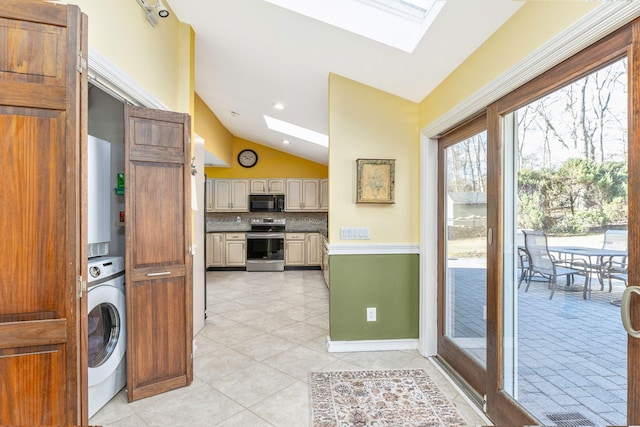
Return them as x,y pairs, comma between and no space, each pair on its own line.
226,250
235,250
325,261
294,245
313,249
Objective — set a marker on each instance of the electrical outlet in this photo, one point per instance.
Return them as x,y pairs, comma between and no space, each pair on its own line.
371,314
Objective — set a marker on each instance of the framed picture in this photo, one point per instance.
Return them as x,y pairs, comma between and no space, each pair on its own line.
375,180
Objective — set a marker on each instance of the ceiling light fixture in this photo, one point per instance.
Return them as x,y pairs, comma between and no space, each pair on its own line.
154,11
297,131
278,106
286,141
234,114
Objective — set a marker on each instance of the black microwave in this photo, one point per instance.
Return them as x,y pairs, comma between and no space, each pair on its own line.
266,202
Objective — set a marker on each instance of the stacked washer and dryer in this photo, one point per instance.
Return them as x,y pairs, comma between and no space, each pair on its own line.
107,325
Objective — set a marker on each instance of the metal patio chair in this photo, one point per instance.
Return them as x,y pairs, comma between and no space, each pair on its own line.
541,262
615,266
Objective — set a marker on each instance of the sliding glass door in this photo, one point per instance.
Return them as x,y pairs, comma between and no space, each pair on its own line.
463,233
539,205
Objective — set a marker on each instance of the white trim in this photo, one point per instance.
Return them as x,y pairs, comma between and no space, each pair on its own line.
373,249
104,74
603,20
428,325
370,345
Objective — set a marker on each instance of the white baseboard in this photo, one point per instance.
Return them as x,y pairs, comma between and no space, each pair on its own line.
371,345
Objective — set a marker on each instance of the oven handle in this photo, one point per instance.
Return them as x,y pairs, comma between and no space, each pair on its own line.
263,235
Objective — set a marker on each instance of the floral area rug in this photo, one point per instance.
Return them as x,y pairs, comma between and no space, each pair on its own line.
379,398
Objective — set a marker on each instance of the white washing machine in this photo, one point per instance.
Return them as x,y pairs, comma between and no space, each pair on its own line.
107,325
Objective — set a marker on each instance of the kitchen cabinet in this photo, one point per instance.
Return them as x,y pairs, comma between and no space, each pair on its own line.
208,191
231,195
324,194
235,249
325,260
267,186
313,252
302,195
294,248
215,250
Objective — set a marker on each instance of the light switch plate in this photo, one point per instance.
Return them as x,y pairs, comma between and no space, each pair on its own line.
355,233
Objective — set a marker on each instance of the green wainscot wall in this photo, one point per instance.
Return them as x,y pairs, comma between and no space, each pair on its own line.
388,282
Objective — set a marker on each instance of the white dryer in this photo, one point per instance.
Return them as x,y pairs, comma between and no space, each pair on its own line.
107,327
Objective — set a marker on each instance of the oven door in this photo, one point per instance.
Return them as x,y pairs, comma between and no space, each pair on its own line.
265,251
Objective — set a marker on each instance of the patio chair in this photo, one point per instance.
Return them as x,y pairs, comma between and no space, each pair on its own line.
615,266
541,262
523,265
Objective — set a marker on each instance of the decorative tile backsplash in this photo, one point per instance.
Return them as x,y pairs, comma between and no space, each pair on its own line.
298,221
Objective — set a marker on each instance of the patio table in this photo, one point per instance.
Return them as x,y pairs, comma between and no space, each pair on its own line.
590,254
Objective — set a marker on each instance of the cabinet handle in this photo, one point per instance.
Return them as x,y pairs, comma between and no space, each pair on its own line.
164,273
625,310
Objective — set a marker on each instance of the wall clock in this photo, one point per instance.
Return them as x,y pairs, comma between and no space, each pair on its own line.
247,158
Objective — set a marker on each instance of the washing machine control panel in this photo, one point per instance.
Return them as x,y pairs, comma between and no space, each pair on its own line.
102,267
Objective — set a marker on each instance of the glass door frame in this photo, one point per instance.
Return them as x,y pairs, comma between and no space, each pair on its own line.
500,406
470,371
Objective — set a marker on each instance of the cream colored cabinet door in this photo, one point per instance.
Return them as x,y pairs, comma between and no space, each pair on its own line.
231,195
235,250
240,195
215,254
294,248
324,194
259,186
275,186
311,194
313,252
209,195
293,195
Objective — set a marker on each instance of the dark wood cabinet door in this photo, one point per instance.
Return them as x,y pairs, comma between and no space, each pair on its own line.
42,228
158,258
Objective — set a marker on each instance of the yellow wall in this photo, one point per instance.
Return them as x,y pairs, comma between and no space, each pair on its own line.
152,57
530,27
271,164
217,139
367,123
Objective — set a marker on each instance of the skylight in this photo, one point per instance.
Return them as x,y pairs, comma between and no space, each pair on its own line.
297,131
397,23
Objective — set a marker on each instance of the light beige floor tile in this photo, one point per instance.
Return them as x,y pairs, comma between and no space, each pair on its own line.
263,346
205,345
379,359
130,421
245,418
270,322
115,410
202,406
220,363
288,408
253,384
299,361
321,321
319,344
301,313
300,332
231,333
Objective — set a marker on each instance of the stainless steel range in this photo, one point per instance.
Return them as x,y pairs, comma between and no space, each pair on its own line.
265,245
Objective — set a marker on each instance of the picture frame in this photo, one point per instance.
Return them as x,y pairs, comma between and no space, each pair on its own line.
375,181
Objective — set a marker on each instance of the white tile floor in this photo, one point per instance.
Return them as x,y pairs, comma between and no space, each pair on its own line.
265,332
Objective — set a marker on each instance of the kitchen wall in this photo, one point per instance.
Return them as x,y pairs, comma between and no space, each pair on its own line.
271,164
217,139
381,272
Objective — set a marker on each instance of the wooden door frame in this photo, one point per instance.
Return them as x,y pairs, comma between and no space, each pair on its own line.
501,407
466,366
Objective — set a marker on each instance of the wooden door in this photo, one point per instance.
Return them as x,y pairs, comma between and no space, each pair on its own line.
42,214
158,258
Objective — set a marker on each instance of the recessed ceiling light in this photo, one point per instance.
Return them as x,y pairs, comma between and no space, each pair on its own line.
278,106
234,114
286,141
297,131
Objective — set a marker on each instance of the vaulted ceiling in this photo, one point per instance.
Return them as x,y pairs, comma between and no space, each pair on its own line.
252,54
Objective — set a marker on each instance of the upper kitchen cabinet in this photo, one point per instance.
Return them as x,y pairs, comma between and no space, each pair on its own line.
231,195
208,190
324,194
302,195
267,186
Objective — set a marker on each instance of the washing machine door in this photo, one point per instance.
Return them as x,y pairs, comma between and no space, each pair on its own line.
107,331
